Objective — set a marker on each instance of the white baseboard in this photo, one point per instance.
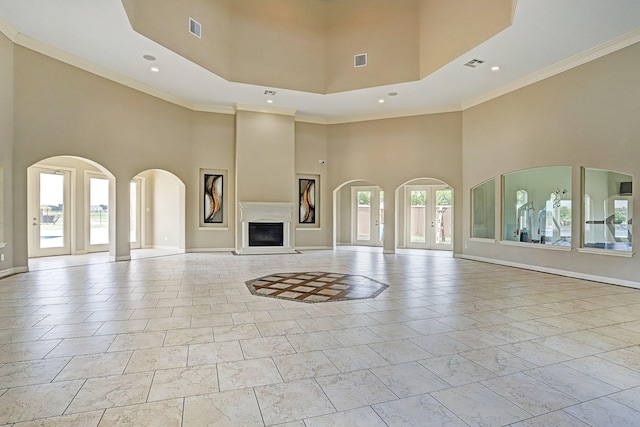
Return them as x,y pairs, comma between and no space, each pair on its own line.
12,271
119,258
209,250
566,273
313,248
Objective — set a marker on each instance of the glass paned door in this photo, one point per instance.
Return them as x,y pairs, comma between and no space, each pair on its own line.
429,217
49,212
368,208
98,212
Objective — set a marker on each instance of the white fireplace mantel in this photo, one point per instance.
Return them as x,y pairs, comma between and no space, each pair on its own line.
265,212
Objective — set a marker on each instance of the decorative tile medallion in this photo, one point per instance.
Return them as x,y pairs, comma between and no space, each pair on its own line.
315,286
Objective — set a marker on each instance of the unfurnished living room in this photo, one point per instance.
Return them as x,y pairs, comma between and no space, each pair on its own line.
319,213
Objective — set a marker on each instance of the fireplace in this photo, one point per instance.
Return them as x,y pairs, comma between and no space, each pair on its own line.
266,233
265,228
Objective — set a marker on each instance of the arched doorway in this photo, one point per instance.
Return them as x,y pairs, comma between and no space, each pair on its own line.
68,201
424,214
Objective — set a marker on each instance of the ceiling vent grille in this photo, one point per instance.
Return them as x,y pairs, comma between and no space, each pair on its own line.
195,28
474,63
360,60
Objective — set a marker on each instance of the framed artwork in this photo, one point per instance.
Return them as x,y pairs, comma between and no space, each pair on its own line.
212,198
307,200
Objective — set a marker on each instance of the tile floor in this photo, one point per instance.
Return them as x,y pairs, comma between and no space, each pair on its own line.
179,340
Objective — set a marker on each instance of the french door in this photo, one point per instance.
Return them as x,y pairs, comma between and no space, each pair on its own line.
49,211
429,217
97,212
135,214
368,217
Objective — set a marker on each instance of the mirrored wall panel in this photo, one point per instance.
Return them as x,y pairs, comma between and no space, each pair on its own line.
483,210
608,210
537,206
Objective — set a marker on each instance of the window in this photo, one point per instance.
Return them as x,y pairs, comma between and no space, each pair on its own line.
608,210
537,206
483,211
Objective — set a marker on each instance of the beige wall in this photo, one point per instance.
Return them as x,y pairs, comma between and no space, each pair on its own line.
390,153
6,151
587,116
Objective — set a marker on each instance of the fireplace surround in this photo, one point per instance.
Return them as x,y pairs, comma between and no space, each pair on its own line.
262,216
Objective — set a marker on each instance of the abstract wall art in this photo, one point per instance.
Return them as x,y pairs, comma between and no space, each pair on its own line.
307,201
212,198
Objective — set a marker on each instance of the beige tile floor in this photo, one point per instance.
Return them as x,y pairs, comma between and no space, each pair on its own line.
179,340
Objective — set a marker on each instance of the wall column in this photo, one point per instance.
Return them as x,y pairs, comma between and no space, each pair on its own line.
389,239
119,248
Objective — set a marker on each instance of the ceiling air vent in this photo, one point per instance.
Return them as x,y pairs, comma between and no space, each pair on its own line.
474,63
195,28
360,60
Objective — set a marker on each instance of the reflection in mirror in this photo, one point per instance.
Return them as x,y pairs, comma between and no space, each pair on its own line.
537,206
608,210
483,211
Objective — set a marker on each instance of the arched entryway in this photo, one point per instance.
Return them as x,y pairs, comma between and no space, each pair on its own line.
424,216
68,207
358,214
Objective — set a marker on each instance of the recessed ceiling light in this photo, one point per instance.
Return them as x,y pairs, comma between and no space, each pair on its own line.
380,101
495,68
149,57
270,101
155,69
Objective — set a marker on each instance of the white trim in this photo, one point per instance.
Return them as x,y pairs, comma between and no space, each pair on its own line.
566,273
120,258
265,109
389,251
609,252
481,240
207,250
3,244
308,229
313,248
12,271
560,67
213,228
565,65
535,245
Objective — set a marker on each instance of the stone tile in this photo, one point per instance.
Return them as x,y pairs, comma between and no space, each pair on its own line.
107,392
605,412
247,373
478,406
498,361
556,419
355,336
85,419
354,358
188,336
17,374
571,382
456,370
150,359
535,397
265,347
298,366
225,409
421,410
282,327
400,351
361,417
235,332
95,365
409,379
81,346
604,370
182,382
137,341
355,389
37,401
280,403
164,413
22,351
313,341
440,344
218,352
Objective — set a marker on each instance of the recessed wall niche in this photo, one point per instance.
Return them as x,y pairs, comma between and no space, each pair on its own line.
608,210
483,211
537,206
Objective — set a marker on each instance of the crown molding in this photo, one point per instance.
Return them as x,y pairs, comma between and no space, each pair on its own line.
8,30
265,109
560,67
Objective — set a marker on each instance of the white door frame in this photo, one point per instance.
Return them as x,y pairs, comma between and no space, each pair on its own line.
103,247
431,217
374,227
139,181
33,209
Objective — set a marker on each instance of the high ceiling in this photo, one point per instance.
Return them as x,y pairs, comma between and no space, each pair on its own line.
547,36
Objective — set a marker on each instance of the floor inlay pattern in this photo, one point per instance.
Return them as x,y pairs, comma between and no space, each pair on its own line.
315,286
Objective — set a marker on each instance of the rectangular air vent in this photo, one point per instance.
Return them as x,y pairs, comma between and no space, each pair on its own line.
474,63
195,28
360,60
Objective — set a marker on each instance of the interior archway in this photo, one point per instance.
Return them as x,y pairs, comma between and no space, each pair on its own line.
358,214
